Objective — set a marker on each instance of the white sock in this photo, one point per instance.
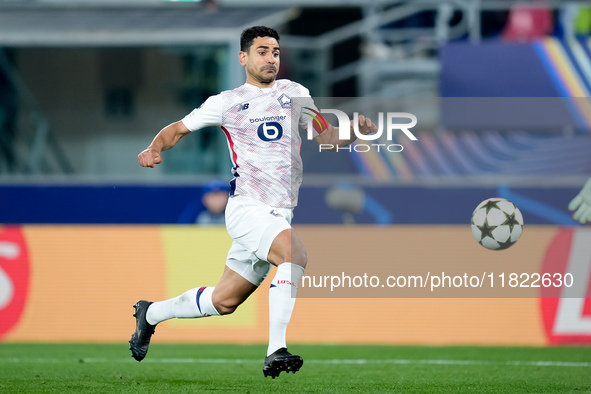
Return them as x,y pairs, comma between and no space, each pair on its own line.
191,304
281,302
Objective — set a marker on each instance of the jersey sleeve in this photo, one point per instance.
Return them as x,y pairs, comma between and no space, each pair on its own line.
309,112
208,114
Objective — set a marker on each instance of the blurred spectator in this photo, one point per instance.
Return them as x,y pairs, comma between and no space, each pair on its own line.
529,21
583,21
211,6
574,20
214,199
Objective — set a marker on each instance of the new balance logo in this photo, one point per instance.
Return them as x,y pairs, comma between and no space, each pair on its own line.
275,213
242,107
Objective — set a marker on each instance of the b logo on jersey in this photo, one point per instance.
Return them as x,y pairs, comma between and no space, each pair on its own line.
270,131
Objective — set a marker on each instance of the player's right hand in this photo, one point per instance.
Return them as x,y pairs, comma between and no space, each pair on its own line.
581,204
149,158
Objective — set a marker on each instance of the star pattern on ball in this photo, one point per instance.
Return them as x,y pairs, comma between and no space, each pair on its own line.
486,230
505,245
490,204
510,220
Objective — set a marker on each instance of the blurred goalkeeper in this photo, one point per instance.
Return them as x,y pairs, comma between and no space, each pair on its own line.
267,167
581,204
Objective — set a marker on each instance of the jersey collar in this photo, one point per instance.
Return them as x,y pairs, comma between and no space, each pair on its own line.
251,86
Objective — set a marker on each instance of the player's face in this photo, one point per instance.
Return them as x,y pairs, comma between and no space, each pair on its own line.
262,60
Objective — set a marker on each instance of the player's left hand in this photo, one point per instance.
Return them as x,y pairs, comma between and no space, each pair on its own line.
366,126
581,204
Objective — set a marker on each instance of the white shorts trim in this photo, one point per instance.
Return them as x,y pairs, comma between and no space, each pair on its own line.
253,226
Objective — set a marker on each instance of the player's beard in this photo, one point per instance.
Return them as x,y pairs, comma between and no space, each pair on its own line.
263,77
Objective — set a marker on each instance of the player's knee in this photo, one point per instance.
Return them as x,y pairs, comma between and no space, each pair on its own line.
299,257
226,310
227,307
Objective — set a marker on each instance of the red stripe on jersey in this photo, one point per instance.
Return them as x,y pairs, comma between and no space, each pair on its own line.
231,143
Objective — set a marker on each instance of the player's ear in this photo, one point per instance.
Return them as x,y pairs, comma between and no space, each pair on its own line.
242,57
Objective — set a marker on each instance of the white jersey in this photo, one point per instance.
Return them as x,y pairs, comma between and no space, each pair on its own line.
263,141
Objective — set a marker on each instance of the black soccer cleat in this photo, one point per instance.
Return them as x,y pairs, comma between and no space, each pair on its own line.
281,361
140,340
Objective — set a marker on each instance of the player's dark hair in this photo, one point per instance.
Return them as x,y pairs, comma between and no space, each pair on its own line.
250,33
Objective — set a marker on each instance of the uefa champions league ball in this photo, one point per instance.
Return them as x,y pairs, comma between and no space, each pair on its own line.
497,223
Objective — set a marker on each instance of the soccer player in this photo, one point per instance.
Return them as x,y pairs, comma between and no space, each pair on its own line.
267,168
581,204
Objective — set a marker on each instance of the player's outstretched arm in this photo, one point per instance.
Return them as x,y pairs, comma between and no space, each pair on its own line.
165,139
581,204
330,136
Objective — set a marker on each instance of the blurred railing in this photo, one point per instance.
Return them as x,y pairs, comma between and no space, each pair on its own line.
41,150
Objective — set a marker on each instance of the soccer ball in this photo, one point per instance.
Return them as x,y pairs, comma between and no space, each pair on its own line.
497,223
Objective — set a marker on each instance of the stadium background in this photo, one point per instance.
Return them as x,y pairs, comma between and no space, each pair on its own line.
86,231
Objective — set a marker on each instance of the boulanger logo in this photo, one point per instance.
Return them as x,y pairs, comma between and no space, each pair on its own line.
270,131
277,118
318,123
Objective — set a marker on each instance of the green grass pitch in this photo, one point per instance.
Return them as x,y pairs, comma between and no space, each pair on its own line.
89,368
